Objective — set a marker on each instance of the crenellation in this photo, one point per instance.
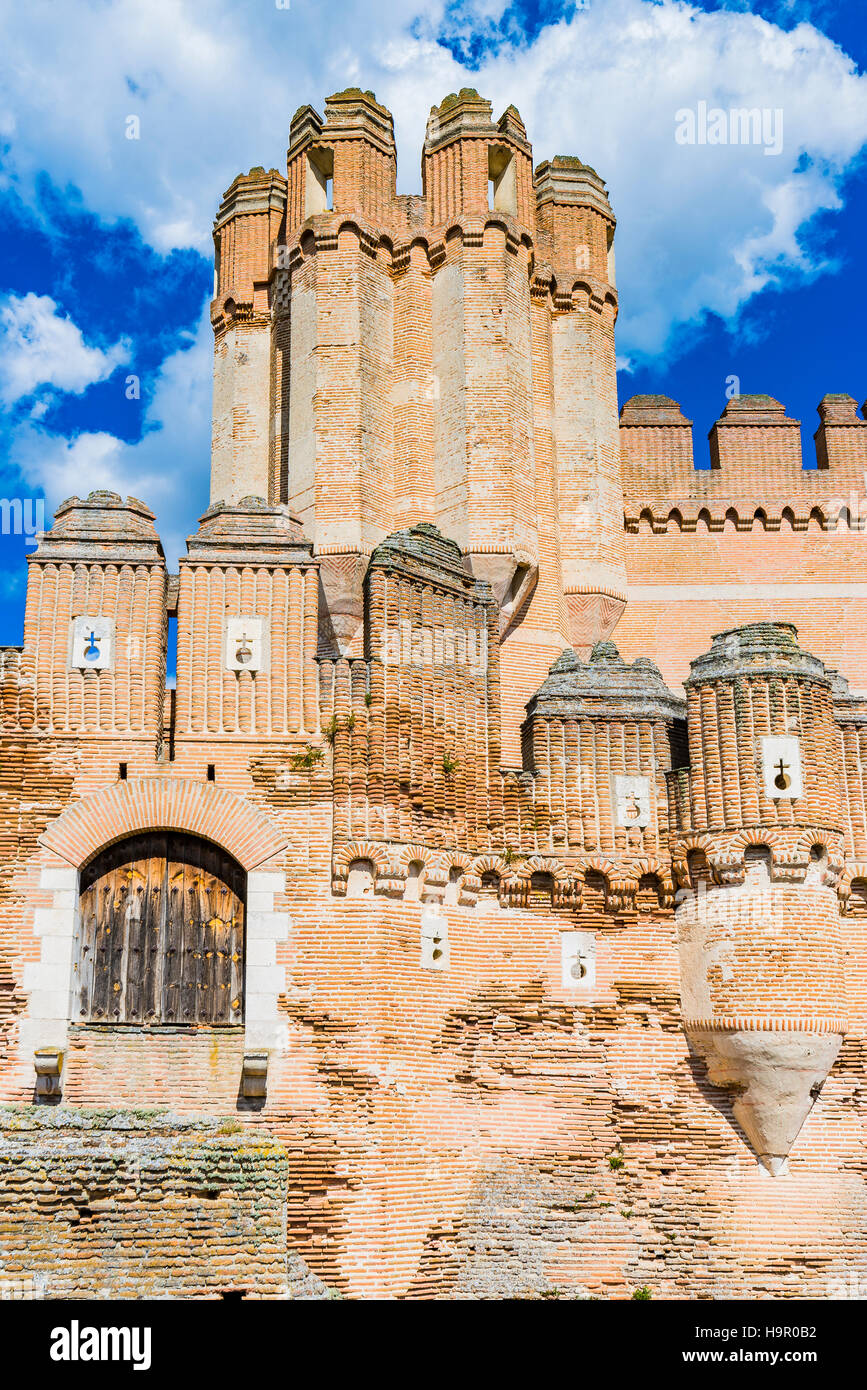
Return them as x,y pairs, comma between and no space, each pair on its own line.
355,149
778,540
755,443
754,452
456,162
249,222
841,441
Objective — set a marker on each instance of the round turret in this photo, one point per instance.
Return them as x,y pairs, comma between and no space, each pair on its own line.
758,854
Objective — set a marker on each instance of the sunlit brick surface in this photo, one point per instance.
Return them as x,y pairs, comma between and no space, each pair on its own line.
435,769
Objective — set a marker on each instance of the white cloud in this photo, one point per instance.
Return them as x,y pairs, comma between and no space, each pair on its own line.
40,346
12,582
168,469
701,228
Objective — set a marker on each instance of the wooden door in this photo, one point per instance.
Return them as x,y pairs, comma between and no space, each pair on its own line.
161,934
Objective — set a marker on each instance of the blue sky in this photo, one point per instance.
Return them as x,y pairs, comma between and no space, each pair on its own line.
730,261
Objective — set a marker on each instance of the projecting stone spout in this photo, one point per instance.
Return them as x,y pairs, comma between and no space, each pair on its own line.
342,606
761,984
512,578
777,1076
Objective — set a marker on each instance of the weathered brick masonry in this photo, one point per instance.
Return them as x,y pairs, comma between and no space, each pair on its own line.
421,942
137,1203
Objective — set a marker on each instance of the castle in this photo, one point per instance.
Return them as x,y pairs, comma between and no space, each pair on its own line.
420,941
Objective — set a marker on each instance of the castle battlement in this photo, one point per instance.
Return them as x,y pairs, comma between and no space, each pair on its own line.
754,454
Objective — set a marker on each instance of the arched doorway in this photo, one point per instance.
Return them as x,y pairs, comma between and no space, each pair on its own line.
160,935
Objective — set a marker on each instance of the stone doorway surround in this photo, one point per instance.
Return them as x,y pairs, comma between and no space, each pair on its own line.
156,803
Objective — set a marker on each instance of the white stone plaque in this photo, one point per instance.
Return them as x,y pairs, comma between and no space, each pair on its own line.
91,644
434,941
578,956
631,800
781,767
246,644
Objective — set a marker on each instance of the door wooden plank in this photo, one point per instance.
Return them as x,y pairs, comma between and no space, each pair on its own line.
150,945
203,932
135,940
159,920
210,1006
189,968
107,889
173,969
236,990
85,954
223,902
160,937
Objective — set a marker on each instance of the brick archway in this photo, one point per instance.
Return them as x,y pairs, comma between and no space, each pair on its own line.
163,803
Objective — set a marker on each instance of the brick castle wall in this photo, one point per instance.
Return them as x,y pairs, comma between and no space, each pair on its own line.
477,981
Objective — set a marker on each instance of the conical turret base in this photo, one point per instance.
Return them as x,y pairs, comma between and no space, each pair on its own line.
593,616
777,1075
342,610
512,578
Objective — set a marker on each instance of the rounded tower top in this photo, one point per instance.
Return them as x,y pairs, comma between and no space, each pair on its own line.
605,687
763,741
567,179
757,649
